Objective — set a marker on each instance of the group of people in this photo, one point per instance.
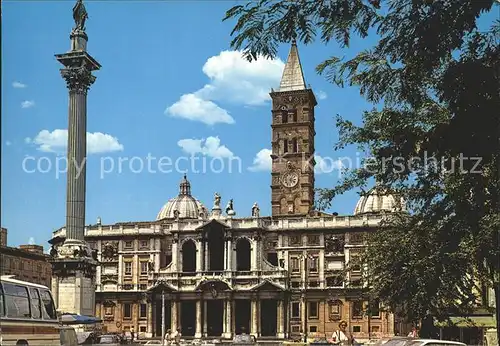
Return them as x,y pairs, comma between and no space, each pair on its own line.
172,338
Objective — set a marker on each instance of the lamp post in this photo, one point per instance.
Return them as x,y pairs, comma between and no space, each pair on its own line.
163,316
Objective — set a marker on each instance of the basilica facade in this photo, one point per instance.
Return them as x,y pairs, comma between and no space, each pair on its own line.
213,274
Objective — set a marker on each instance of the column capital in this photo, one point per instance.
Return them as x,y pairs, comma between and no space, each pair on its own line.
78,79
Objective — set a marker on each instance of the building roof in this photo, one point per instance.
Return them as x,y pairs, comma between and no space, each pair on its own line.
184,205
293,77
14,251
378,200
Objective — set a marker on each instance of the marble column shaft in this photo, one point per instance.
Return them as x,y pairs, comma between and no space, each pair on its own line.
198,331
77,157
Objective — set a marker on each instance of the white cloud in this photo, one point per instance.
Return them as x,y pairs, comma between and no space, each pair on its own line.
8,143
27,104
262,161
194,108
325,165
57,140
31,241
210,147
19,85
232,79
321,95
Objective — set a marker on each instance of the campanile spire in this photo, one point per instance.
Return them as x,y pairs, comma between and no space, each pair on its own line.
293,77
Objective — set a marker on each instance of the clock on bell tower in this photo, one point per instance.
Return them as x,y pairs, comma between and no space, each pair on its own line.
292,176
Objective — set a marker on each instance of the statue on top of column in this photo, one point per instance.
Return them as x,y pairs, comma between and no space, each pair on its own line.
80,15
255,210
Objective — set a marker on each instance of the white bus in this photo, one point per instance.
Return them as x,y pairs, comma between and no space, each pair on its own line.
27,313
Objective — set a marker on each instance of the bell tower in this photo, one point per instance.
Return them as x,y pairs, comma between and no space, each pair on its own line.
292,175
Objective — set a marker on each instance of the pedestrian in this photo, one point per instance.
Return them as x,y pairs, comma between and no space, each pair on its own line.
132,334
177,336
166,337
340,337
413,333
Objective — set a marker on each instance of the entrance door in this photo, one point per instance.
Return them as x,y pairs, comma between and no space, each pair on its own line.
215,311
268,317
242,316
188,317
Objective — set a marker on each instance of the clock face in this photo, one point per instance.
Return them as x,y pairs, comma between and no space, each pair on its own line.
290,179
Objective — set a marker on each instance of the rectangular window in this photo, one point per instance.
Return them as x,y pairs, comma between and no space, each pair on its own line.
313,239
144,267
294,240
313,310
129,244
108,311
144,244
295,310
356,329
374,308
143,311
127,310
49,310
313,329
17,302
313,264
128,268
284,117
295,264
375,329
36,303
357,309
142,329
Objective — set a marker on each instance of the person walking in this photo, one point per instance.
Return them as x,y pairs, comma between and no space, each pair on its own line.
340,337
413,333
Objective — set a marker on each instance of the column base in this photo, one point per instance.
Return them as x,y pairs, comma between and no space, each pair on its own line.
280,335
227,335
197,335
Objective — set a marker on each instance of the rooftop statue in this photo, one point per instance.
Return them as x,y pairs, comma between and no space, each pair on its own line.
80,15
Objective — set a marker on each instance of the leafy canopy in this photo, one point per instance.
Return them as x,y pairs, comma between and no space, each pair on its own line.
436,75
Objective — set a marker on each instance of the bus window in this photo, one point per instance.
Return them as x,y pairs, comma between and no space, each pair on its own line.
36,303
49,311
2,311
17,302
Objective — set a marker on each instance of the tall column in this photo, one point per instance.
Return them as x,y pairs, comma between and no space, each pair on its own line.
228,319
174,314
253,322
175,251
198,331
150,320
73,262
281,319
230,254
253,266
199,256
303,315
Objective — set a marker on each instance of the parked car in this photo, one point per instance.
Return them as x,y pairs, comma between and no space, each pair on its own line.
405,341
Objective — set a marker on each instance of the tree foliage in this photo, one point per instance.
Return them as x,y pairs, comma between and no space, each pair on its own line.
435,141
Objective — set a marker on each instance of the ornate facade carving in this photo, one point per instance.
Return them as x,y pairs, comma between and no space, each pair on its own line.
78,79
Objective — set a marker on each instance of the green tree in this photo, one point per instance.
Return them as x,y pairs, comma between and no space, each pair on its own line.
434,141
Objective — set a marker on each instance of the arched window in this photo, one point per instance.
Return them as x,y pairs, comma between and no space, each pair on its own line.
189,257
243,254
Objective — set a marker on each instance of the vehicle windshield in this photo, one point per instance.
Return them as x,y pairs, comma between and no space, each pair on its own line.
400,342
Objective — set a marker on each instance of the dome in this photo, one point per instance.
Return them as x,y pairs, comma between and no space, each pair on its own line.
376,201
184,204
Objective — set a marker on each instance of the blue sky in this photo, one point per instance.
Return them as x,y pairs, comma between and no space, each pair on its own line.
162,63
